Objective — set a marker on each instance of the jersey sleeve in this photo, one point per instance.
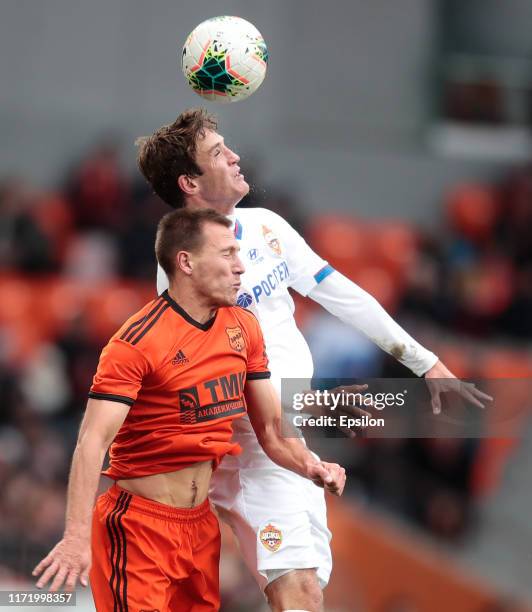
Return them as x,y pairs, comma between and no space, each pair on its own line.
120,372
307,268
357,308
257,366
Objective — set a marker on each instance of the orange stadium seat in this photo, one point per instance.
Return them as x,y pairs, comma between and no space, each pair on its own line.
40,309
472,211
488,286
457,358
17,299
20,317
66,302
374,255
506,363
380,282
340,239
394,246
112,304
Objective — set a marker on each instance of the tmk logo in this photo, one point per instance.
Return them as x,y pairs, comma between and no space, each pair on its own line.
223,398
252,254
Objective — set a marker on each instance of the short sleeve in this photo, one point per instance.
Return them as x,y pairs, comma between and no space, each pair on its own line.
257,359
120,372
307,268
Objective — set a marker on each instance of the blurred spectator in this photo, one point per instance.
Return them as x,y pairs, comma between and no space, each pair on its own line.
438,477
54,217
92,257
516,220
138,229
24,247
99,190
81,352
43,382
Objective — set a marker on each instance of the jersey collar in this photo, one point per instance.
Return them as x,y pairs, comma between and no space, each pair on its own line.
183,313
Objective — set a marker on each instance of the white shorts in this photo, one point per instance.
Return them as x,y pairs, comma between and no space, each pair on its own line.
278,517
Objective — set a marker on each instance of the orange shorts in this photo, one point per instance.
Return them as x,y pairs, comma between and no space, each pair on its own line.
150,557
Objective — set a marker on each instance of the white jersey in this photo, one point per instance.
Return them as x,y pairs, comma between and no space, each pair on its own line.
275,258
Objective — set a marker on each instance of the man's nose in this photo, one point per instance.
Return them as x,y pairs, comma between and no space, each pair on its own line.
239,266
233,157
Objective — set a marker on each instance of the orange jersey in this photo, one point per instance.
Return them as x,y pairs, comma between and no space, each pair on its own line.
184,382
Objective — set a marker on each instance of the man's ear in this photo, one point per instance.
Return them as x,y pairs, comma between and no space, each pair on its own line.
184,262
187,184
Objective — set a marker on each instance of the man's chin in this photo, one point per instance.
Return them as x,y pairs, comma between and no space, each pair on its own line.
229,300
244,188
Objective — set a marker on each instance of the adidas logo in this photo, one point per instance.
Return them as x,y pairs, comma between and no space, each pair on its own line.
179,359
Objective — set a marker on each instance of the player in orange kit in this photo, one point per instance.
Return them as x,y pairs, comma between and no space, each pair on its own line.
168,386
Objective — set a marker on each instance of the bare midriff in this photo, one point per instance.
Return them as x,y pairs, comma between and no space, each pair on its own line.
186,488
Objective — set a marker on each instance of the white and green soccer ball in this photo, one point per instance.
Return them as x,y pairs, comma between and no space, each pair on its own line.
225,59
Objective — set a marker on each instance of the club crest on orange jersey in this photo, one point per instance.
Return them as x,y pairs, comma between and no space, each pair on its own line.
271,240
236,338
271,537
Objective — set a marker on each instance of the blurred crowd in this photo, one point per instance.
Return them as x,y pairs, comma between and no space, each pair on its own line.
76,262
463,289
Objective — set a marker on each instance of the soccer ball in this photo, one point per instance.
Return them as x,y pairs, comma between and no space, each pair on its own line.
225,59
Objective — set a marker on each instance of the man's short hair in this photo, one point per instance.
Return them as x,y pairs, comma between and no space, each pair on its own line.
171,151
182,230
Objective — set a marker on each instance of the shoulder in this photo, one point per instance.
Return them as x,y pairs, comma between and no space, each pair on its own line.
259,216
135,325
147,330
242,316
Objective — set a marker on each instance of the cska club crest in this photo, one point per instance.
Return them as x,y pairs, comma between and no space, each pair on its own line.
236,338
271,240
271,537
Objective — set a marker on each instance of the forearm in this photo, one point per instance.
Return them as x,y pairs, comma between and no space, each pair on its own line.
82,486
357,308
288,452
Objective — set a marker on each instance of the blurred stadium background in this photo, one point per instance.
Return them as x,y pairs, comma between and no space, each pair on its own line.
396,136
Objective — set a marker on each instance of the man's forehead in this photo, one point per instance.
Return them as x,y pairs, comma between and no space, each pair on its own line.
218,232
208,139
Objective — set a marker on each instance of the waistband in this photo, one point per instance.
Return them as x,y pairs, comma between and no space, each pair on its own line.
123,498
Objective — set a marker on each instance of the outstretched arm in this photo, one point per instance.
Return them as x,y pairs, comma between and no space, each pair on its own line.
265,415
70,559
357,308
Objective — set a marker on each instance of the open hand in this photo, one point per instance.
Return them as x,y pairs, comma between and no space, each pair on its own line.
441,380
68,561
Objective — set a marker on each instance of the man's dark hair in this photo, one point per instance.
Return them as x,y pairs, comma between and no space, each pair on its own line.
182,230
170,152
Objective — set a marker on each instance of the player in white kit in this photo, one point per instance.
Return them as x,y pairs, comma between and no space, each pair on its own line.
278,517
